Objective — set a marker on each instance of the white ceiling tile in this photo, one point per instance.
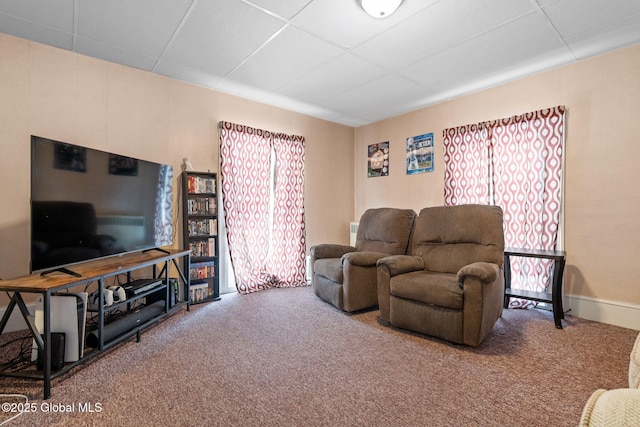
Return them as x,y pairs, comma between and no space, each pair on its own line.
384,97
143,26
593,14
287,57
219,35
57,14
603,39
346,24
461,85
179,72
509,46
441,26
114,54
332,78
286,9
327,58
272,98
35,32
348,120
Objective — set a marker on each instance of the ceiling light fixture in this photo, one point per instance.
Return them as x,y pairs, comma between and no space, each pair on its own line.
380,8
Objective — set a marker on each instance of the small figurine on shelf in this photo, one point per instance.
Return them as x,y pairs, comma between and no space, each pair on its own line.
186,164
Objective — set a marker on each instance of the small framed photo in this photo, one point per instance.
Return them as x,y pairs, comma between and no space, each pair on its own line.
69,157
378,159
122,165
420,154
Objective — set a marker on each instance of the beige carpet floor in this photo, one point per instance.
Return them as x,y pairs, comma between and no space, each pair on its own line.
282,357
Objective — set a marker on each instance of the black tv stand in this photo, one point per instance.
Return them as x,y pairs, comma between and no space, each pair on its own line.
61,270
99,271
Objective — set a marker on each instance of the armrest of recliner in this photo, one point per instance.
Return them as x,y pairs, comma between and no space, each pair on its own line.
400,264
605,406
483,287
387,268
362,259
485,271
330,250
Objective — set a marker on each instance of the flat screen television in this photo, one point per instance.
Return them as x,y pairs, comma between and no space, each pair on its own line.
87,204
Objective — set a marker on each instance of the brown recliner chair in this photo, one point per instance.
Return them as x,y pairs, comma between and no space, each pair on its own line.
345,276
451,283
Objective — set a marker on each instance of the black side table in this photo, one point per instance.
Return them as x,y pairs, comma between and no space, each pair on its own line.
555,297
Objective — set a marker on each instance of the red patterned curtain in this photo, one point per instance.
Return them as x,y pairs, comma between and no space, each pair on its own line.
466,165
287,261
527,182
262,187
522,157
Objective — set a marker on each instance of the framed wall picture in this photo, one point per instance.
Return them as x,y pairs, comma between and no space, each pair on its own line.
378,159
420,154
122,165
69,157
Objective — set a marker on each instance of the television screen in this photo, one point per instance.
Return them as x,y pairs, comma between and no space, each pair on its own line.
87,204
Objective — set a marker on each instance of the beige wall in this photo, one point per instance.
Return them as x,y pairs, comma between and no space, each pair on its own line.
602,95
69,97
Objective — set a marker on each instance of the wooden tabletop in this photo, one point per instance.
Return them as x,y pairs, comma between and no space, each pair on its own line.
89,271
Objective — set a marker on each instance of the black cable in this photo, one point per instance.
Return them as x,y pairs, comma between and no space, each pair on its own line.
23,358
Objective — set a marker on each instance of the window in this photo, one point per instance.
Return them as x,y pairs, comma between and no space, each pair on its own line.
515,163
263,201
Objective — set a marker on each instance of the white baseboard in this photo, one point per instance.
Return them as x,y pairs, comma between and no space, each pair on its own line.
16,322
604,311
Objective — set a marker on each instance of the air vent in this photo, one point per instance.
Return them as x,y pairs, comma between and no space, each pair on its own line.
353,232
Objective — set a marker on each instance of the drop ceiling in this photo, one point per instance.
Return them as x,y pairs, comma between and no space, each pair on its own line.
327,58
